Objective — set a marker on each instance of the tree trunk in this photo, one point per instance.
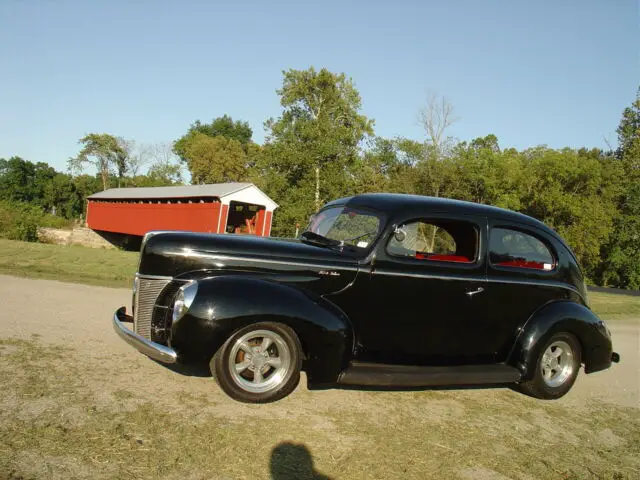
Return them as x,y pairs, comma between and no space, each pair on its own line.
318,188
105,179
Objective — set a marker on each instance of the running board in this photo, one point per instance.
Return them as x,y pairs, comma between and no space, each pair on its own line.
378,374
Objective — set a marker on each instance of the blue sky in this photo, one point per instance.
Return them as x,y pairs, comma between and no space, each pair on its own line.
531,72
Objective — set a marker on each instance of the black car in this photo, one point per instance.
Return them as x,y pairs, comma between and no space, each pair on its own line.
381,290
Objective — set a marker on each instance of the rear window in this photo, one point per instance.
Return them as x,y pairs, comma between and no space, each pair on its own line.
515,249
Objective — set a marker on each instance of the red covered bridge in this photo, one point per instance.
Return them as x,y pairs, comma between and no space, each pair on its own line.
218,208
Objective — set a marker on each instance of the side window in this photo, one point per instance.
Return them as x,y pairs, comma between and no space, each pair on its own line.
512,248
436,240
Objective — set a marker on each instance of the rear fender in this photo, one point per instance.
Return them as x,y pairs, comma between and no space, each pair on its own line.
562,316
226,303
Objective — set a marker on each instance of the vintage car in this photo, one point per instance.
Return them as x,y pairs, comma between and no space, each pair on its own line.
382,291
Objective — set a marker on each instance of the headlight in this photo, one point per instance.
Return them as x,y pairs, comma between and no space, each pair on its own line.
184,299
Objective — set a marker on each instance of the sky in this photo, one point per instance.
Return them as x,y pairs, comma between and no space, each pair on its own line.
530,72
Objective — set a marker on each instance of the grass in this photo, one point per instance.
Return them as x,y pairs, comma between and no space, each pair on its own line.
68,416
93,266
612,307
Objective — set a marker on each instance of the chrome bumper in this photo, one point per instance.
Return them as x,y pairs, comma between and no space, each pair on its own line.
153,350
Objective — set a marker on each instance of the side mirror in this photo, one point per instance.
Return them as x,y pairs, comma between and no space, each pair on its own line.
399,234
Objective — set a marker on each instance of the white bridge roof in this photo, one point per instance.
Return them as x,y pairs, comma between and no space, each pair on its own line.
226,192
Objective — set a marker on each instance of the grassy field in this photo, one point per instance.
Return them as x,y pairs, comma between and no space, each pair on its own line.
612,307
109,268
115,268
65,415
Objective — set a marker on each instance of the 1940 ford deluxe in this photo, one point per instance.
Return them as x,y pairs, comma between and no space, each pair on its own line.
381,290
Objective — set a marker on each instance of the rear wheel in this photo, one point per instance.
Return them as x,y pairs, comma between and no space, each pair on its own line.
258,364
556,369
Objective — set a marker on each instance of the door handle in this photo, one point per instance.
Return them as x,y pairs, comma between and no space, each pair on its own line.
471,293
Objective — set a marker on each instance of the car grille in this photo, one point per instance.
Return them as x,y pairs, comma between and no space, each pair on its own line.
149,290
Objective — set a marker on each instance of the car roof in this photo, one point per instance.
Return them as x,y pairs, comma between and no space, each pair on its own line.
393,203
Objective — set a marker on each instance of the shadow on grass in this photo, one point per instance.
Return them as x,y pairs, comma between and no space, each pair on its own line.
187,369
293,461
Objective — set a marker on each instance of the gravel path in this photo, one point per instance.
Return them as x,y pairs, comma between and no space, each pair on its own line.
80,316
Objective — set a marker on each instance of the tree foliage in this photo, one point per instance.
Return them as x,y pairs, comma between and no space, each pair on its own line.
105,152
312,148
223,126
621,265
24,181
216,152
215,159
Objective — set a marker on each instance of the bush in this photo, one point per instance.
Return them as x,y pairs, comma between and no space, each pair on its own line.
20,221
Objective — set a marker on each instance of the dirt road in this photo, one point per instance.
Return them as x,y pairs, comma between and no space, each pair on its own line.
337,426
80,316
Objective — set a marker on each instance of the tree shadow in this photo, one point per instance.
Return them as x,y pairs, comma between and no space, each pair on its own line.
291,461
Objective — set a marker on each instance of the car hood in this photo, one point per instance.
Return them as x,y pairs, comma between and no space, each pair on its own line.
192,255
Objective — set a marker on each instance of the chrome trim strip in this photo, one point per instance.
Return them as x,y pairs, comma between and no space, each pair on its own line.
153,350
153,277
430,276
215,256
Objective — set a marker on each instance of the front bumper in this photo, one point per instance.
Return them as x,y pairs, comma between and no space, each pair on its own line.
158,352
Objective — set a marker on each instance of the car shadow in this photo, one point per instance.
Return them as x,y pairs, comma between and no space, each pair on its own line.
186,369
293,461
202,370
381,388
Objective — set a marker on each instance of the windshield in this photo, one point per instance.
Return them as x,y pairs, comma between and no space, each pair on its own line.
346,226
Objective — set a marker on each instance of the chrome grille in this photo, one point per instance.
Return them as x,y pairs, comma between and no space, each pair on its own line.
148,291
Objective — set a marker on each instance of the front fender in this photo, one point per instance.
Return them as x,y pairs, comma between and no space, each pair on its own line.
562,316
224,304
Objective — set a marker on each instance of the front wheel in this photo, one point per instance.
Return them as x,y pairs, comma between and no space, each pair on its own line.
259,364
556,369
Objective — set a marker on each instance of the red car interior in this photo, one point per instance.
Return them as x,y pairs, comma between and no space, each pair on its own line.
522,264
442,258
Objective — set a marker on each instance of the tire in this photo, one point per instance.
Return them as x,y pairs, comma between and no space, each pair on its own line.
248,373
552,379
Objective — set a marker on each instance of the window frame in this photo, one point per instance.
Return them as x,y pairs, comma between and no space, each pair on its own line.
431,219
524,231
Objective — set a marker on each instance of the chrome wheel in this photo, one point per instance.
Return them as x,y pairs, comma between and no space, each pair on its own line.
259,361
557,364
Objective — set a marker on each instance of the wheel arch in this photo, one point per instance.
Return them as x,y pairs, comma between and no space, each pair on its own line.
561,316
227,303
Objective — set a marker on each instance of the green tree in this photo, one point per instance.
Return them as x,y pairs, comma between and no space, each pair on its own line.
215,159
374,170
311,148
84,185
60,196
105,152
621,265
574,193
223,126
24,181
